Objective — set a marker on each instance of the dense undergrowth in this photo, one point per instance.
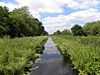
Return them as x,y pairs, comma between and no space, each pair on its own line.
17,55
84,52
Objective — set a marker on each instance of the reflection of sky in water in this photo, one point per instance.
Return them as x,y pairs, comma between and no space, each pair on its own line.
50,56
50,52
50,48
51,62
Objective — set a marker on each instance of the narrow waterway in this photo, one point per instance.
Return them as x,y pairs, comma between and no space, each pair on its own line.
51,62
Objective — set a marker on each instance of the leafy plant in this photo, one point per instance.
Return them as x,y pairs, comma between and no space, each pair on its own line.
84,52
17,55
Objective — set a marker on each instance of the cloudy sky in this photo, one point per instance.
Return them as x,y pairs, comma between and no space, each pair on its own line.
59,14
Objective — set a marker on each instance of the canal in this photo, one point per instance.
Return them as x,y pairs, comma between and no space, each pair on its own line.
51,62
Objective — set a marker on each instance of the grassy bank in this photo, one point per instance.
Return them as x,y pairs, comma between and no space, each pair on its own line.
84,52
17,55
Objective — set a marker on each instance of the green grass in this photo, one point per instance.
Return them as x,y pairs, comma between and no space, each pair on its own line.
84,52
17,55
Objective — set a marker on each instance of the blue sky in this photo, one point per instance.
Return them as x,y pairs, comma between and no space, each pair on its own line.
59,14
9,1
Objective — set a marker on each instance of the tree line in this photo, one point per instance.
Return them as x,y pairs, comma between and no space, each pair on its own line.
19,23
89,29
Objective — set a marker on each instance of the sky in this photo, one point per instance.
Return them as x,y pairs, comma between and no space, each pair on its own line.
59,14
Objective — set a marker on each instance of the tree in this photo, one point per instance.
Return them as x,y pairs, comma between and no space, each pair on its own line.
23,19
4,20
77,30
26,23
66,32
45,33
92,28
19,23
57,32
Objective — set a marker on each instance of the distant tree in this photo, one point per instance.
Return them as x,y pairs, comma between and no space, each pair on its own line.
66,32
92,28
77,30
57,32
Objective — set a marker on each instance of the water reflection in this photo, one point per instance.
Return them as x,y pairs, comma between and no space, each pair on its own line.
46,56
51,62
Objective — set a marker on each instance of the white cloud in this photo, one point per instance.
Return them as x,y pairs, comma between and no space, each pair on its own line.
9,5
86,15
89,3
79,4
68,3
52,6
41,6
66,21
88,12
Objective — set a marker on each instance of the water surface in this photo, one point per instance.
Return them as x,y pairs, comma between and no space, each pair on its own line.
51,62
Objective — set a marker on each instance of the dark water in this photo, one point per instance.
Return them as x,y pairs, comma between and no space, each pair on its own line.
51,62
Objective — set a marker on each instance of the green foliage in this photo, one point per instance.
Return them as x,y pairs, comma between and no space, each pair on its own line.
92,28
28,26
45,33
17,55
19,23
84,52
66,32
78,30
57,32
4,20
